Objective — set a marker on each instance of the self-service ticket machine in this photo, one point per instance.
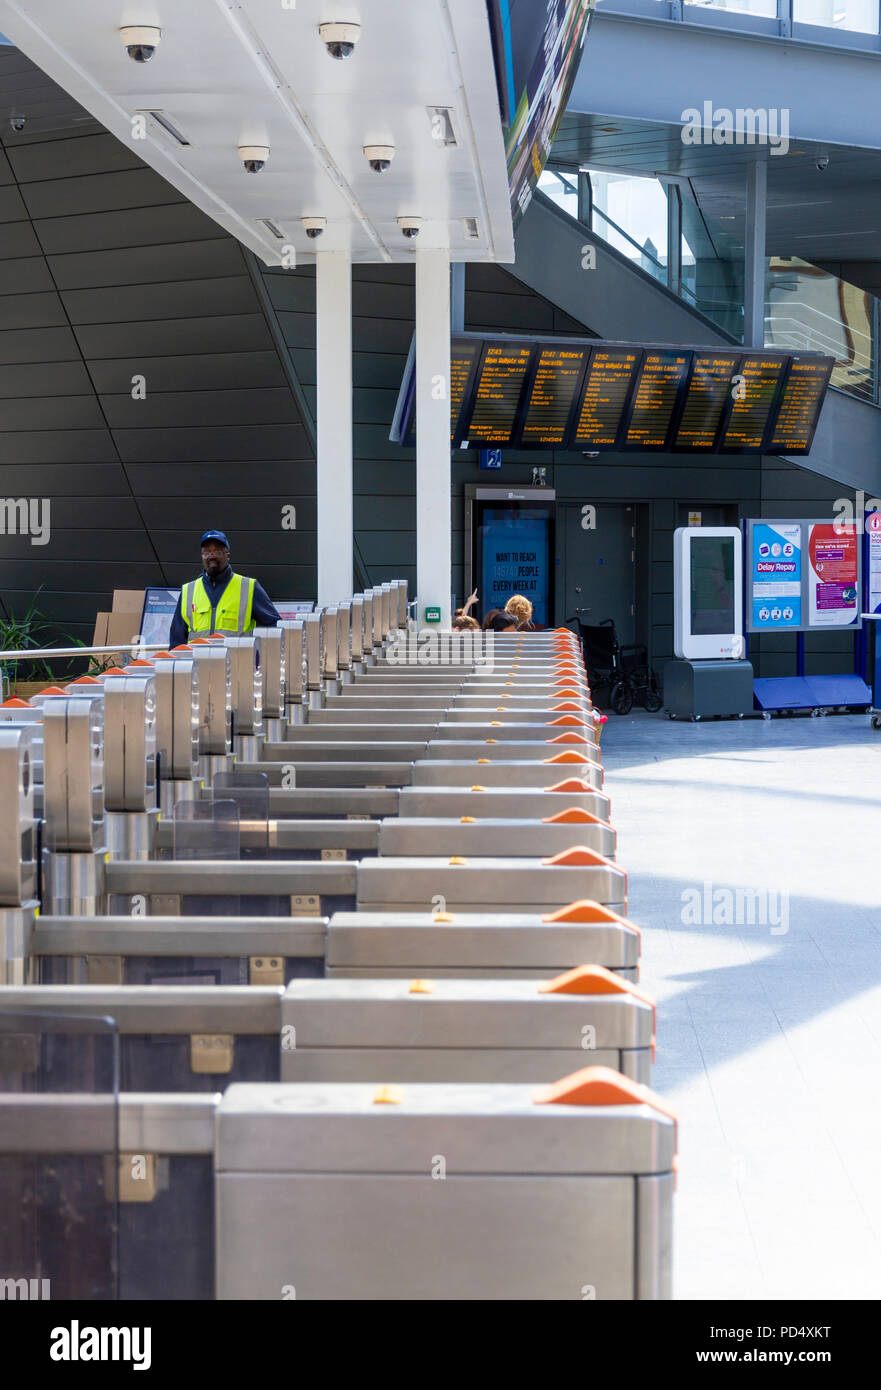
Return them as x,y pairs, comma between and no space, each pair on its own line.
710,675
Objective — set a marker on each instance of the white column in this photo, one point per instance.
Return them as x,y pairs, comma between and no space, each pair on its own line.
433,496
333,334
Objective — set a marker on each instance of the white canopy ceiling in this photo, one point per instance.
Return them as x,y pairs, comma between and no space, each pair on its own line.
257,73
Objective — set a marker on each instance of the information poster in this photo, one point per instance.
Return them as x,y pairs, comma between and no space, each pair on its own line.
159,609
833,574
776,575
873,576
515,561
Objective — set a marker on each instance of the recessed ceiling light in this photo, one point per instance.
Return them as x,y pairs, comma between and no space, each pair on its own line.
271,226
160,118
441,118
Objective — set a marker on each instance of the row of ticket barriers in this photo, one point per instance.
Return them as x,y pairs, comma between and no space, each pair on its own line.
318,980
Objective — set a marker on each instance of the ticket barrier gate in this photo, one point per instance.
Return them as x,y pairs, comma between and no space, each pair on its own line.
172,1037
465,1030
354,839
18,851
521,803
313,1190
389,884
327,1188
145,950
189,1038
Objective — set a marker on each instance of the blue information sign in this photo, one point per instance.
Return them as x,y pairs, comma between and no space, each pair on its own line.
775,565
490,458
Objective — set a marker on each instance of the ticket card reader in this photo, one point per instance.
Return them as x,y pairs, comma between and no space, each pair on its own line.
295,673
73,769
18,868
130,810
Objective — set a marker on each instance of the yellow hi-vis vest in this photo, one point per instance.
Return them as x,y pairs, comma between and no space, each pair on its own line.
232,614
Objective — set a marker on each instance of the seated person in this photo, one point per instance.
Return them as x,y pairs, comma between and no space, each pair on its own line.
522,610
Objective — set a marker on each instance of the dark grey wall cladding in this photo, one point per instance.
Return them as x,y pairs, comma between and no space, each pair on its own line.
107,273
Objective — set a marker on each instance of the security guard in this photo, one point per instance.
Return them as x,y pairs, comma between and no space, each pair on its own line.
219,600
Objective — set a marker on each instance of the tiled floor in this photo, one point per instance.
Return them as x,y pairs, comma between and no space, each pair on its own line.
769,1032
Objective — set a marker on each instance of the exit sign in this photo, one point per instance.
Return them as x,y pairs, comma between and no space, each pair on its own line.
432,615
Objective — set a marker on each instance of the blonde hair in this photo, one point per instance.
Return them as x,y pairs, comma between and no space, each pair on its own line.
520,606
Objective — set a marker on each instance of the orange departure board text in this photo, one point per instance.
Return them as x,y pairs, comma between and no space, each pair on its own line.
800,404
708,393
462,357
657,391
608,381
553,391
752,403
497,394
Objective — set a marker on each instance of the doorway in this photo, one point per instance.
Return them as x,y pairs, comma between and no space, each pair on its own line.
600,566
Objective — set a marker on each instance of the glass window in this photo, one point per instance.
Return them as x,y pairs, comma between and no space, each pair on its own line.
630,213
561,188
860,16
766,9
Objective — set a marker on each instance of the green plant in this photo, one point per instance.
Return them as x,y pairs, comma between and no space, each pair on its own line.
32,629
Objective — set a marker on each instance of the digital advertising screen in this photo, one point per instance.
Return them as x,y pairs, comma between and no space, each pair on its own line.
541,41
713,595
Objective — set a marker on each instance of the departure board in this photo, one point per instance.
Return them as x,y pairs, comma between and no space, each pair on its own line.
497,393
657,391
596,396
800,404
553,391
752,403
462,357
606,388
708,394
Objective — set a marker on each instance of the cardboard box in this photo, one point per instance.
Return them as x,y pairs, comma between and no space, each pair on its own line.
99,636
128,601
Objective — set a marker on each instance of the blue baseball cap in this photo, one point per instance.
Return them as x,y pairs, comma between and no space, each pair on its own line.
215,536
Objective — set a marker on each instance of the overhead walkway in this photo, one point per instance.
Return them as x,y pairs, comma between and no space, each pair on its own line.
616,299
827,79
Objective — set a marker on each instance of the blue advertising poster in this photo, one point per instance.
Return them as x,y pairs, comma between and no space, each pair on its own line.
775,575
515,561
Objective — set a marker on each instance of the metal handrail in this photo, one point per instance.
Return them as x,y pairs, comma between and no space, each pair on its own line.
37,653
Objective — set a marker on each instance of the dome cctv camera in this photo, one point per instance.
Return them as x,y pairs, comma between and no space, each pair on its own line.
409,226
141,41
17,122
339,39
379,157
253,157
313,226
823,162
